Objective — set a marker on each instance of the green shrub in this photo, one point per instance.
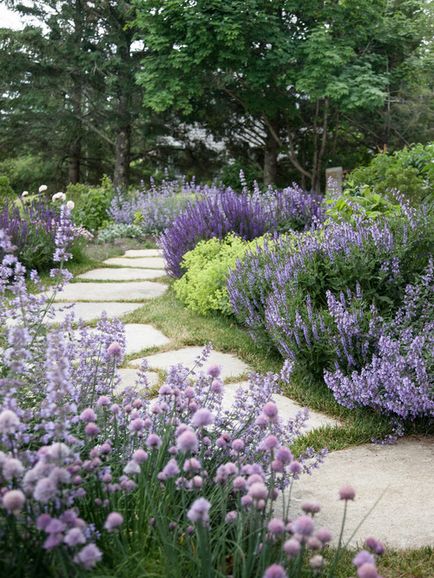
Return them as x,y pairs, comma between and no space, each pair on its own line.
361,202
119,231
91,203
410,171
6,191
203,287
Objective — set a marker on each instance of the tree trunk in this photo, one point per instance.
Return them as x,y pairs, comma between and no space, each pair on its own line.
123,136
74,164
271,151
122,157
74,161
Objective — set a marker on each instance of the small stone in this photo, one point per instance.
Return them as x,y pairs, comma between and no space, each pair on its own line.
140,262
133,291
231,365
129,377
143,253
91,311
124,274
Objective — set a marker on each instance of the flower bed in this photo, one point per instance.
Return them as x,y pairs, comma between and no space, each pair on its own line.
91,478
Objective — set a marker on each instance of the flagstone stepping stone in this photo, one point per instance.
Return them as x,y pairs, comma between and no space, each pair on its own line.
140,336
404,472
129,378
132,291
90,311
140,262
124,274
143,253
288,408
231,366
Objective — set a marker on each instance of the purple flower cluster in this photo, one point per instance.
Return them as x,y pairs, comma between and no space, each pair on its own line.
155,208
327,299
249,215
399,377
87,469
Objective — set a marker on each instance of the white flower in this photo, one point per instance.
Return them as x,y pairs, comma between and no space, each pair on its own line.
58,197
42,188
70,205
24,193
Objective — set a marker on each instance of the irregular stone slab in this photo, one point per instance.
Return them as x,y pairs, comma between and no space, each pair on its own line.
231,366
140,336
143,253
124,274
134,291
287,407
129,378
403,471
91,311
140,262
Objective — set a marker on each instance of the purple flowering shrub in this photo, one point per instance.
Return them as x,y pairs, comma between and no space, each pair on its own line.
248,215
91,476
155,208
32,228
323,298
399,377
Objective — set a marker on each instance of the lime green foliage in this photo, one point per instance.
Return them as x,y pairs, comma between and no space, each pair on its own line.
361,202
203,287
91,203
410,171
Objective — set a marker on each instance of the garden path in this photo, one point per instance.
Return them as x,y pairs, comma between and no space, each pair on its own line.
399,476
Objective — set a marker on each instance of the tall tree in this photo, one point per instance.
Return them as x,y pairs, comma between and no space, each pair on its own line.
295,68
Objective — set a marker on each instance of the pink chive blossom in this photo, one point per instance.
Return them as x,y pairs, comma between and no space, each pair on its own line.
295,468
284,455
311,507
9,422
214,370
292,547
202,418
88,415
303,525
114,349
45,490
103,401
276,526
367,571
42,521
88,557
347,493
269,443
231,517
314,543
246,501
91,429
239,484
217,386
137,425
113,521
52,541
363,557
316,562
187,441
55,526
375,545
199,511
258,491
140,456
270,410
275,571
170,470
12,468
132,468
153,441
74,537
238,445
13,501
324,535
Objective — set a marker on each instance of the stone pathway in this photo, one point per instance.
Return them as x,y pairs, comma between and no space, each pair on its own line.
125,274
141,262
403,472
